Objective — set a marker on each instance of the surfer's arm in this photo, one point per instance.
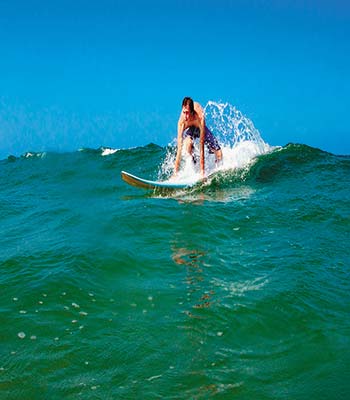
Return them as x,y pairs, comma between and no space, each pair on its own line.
179,146
201,146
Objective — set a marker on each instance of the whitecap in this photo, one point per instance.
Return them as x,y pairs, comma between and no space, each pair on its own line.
154,377
108,151
29,154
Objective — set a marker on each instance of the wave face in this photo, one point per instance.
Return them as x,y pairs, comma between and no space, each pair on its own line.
238,288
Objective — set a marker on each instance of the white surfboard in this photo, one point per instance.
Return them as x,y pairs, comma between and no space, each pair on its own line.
136,181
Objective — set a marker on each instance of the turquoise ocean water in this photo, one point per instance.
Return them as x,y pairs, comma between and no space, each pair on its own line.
236,289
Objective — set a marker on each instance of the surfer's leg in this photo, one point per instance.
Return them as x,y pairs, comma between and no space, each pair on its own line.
213,146
188,145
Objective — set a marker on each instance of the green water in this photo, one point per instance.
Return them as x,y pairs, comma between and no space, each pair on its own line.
238,289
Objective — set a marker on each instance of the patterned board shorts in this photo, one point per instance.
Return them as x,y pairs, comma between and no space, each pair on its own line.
209,139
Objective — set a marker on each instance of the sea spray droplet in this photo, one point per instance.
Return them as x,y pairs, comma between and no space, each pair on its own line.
21,335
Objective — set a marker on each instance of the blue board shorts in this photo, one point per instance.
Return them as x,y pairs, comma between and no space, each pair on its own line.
209,139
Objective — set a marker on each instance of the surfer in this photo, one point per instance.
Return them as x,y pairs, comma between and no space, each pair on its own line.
192,126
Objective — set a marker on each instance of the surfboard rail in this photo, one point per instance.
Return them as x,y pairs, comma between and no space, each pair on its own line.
138,182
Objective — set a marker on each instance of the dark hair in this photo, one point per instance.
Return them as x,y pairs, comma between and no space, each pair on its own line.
187,101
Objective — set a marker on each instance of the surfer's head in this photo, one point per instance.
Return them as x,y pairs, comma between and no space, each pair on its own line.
187,107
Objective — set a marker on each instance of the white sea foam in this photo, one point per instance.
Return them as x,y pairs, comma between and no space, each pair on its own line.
34,154
239,289
107,151
154,377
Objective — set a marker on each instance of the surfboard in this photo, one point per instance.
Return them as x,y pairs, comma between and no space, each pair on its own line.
136,181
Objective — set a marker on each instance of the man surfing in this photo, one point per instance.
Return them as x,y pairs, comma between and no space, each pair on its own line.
192,126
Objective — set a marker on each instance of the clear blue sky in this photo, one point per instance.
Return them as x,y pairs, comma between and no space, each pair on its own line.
113,73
